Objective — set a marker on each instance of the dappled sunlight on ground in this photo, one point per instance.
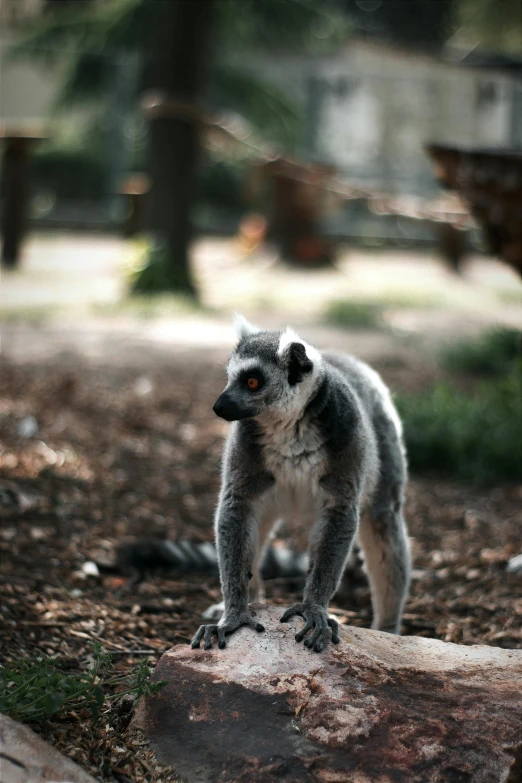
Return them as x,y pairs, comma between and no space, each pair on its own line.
80,280
398,278
65,270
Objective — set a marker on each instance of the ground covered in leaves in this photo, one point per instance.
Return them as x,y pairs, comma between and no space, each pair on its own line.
94,454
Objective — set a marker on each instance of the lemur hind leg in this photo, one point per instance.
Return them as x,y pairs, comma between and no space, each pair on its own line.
386,553
384,541
265,533
214,613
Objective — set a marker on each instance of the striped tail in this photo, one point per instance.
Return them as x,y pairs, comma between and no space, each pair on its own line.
147,556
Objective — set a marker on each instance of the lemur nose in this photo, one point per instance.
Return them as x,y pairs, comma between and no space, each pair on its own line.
222,405
218,408
227,408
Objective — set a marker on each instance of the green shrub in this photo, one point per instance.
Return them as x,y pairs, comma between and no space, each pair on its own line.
369,313
492,354
353,314
71,173
36,689
153,272
474,437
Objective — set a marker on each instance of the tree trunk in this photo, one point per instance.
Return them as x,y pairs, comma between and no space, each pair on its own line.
180,52
15,198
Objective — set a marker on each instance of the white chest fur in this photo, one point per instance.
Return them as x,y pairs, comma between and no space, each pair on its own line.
296,457
294,453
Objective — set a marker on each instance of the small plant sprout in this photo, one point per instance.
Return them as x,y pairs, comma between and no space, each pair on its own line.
34,690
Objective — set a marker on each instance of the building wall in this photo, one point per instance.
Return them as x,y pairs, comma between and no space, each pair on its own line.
13,13
371,110
26,89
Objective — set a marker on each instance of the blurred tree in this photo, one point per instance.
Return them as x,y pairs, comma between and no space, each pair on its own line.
51,4
176,68
427,26
175,42
492,24
411,24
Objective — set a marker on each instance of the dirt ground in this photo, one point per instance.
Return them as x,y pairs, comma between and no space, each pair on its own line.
64,271
123,443
131,448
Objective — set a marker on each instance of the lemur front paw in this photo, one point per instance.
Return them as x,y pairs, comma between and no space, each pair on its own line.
228,624
316,620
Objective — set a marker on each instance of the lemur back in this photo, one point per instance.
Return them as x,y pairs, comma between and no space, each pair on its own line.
314,436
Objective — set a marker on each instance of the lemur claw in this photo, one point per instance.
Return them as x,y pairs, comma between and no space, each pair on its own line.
317,621
205,632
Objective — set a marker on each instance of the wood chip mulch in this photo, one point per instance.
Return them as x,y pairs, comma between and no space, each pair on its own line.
118,455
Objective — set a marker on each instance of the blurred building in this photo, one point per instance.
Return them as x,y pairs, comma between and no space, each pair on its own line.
73,182
367,111
14,12
26,89
370,109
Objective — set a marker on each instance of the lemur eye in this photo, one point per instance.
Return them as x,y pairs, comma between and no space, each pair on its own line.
252,379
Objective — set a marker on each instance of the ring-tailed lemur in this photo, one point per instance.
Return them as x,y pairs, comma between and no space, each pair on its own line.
316,438
148,556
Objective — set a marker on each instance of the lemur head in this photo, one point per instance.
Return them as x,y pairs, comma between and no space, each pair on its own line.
268,372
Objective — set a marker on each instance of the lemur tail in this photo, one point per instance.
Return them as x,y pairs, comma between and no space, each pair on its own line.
146,556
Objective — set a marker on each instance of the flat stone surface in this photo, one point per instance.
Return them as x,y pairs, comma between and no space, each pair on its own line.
26,758
374,708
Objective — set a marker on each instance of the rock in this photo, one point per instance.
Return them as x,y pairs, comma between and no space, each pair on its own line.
143,386
25,758
90,568
28,427
376,708
515,565
13,501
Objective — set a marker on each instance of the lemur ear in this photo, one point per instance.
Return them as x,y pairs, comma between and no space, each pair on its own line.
243,327
297,362
299,357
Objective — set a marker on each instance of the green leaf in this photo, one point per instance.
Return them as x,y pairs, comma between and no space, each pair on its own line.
53,702
99,695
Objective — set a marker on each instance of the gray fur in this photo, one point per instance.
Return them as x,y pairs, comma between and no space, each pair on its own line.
319,441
